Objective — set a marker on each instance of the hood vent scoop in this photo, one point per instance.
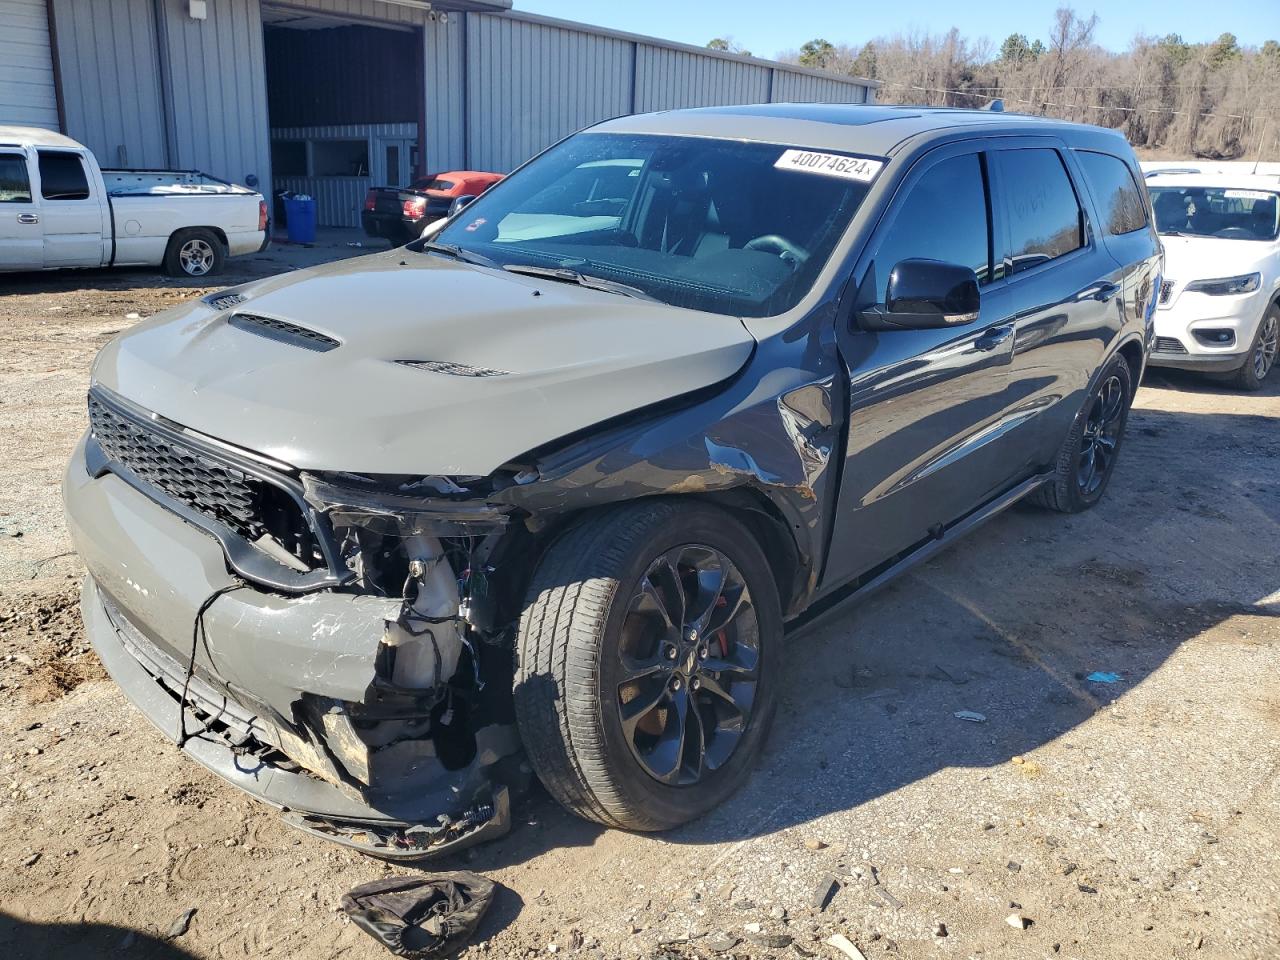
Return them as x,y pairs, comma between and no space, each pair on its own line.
283,332
454,369
224,301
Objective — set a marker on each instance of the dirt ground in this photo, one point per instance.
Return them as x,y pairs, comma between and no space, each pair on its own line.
1140,818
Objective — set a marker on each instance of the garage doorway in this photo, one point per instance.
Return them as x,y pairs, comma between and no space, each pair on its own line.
345,100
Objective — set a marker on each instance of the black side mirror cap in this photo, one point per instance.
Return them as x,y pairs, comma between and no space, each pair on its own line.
925,295
460,202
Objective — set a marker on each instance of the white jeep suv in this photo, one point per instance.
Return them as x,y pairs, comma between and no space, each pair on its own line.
1219,305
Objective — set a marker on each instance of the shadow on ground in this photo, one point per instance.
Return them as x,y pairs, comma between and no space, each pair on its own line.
1009,623
20,940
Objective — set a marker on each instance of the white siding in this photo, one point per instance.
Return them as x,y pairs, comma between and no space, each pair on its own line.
28,96
109,64
217,89
530,84
446,102
791,87
668,79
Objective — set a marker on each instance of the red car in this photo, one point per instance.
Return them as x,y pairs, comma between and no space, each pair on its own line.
400,213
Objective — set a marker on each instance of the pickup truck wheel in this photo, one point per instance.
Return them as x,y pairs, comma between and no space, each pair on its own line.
1087,458
194,253
647,660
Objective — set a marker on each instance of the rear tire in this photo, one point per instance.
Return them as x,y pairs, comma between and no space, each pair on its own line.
1087,457
638,708
1262,352
196,252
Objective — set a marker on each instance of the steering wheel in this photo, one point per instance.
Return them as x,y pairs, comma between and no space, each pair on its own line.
784,248
1235,233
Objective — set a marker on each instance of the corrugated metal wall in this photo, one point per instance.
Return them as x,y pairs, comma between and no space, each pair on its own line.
667,79
446,102
144,76
530,84
27,93
216,89
792,87
109,64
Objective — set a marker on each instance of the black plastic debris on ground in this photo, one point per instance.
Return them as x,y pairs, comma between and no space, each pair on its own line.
421,917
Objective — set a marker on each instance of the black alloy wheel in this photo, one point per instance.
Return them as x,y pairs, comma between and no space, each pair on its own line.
1101,436
1087,458
647,662
689,658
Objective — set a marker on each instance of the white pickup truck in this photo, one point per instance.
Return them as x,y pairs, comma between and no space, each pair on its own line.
59,209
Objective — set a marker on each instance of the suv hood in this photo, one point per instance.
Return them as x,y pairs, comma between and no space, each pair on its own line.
1211,258
559,357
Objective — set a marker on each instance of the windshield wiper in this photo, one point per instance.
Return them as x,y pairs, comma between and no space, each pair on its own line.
458,253
566,275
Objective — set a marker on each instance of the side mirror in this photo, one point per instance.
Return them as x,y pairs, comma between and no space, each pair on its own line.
926,295
460,202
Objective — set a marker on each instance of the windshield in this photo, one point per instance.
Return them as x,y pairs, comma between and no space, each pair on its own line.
1222,212
708,224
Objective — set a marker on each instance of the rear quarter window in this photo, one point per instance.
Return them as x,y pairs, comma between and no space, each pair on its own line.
1119,197
62,177
1044,217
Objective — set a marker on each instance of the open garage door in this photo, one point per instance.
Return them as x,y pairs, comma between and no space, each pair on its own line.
345,100
28,96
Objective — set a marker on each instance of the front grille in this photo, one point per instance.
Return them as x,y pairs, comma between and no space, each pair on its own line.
1169,345
1166,290
449,368
248,506
283,332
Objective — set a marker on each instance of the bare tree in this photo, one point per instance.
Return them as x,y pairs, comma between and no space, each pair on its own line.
1168,96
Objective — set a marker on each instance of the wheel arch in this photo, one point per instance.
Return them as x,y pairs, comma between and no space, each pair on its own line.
1131,350
754,509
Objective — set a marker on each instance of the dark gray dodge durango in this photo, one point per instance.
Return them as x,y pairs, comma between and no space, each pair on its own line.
554,484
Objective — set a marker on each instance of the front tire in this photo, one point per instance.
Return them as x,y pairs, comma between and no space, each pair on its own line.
1262,352
1087,458
194,253
647,661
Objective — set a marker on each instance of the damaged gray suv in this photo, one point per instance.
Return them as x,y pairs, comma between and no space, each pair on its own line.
552,487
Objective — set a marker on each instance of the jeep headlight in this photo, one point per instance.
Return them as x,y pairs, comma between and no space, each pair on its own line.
1227,286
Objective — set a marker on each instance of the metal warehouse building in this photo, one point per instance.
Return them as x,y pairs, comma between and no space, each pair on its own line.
328,97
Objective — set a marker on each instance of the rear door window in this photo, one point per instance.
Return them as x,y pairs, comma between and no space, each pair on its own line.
15,184
62,176
1119,197
1044,217
944,217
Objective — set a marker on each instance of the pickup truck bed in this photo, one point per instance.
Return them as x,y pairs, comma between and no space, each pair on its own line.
58,209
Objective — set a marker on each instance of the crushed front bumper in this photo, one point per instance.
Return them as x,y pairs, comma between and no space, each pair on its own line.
149,573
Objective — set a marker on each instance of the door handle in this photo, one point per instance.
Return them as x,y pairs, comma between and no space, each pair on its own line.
1106,292
28,218
993,337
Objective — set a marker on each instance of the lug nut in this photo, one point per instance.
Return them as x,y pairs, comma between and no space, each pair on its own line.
670,652
703,652
691,635
695,684
675,684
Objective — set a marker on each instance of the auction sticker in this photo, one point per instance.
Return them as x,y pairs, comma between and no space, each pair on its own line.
1247,194
830,165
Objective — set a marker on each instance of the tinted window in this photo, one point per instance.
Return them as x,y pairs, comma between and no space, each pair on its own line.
1119,199
15,186
944,217
62,177
1044,215
1223,212
726,226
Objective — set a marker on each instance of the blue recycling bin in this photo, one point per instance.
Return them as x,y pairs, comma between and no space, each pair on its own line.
301,219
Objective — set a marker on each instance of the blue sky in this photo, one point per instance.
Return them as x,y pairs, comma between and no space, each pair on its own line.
766,27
